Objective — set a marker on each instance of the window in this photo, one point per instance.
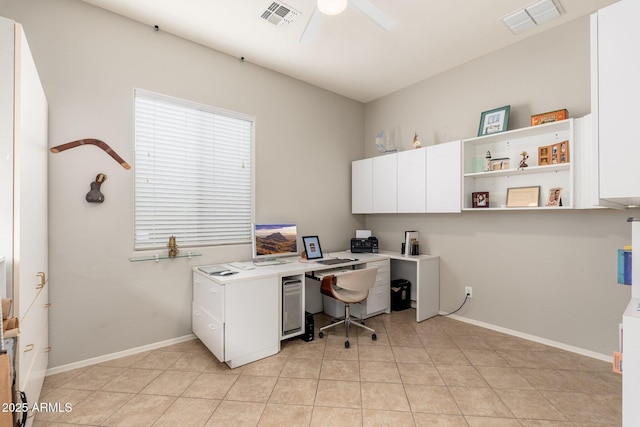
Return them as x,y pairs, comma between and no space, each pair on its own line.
193,173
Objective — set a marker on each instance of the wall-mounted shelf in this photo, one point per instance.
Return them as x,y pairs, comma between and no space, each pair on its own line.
525,171
510,145
158,257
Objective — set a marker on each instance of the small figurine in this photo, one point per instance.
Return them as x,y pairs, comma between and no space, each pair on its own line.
487,161
416,141
523,162
173,247
94,195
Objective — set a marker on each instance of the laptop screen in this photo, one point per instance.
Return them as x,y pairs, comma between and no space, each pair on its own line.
312,247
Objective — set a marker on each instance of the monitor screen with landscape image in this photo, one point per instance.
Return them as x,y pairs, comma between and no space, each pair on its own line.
274,240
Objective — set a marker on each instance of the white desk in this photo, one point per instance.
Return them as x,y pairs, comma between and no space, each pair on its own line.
423,271
238,317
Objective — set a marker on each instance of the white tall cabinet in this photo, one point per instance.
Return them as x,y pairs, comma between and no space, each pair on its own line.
615,66
615,89
23,223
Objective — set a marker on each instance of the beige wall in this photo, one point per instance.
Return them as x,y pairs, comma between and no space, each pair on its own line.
547,274
89,62
550,274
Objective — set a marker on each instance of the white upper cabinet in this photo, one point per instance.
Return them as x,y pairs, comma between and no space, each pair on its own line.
615,91
412,179
385,184
420,180
444,177
362,186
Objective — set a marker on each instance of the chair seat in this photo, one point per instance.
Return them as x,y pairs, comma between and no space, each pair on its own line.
350,297
350,288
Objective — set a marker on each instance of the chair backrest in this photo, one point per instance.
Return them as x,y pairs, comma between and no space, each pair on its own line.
357,280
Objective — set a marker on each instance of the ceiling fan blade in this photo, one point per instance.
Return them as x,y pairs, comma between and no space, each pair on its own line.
313,26
374,13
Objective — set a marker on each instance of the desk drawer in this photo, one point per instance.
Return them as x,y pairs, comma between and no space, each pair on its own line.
209,330
383,266
382,279
378,299
377,302
209,295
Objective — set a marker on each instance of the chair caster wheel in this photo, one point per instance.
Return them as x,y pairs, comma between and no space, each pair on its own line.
346,344
320,334
374,337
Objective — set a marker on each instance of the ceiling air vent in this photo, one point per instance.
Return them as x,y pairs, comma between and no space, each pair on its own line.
279,14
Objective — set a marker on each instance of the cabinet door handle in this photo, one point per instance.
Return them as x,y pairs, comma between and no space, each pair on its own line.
213,290
212,327
42,281
28,347
196,313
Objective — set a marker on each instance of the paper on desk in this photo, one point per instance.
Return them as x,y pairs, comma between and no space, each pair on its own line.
363,234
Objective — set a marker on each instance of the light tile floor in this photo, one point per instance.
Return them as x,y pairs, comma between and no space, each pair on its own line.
440,372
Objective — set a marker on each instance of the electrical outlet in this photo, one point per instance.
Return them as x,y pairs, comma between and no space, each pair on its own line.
468,291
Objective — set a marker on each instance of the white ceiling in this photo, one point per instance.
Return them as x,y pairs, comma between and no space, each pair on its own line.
350,54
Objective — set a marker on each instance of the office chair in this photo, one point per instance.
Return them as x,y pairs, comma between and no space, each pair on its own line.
350,287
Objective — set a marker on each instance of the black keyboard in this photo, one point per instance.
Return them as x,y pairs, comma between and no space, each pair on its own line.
333,261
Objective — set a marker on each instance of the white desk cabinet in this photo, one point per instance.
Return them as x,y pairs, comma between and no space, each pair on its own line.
377,302
240,317
615,91
237,321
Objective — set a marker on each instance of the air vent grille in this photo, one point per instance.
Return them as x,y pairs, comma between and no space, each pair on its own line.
279,14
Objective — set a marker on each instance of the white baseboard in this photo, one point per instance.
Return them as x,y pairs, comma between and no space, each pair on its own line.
556,344
124,353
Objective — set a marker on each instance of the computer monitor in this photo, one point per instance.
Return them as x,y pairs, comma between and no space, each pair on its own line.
272,241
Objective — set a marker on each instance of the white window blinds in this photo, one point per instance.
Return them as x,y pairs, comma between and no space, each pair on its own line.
193,173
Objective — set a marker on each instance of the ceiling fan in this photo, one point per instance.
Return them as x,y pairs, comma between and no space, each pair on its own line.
335,7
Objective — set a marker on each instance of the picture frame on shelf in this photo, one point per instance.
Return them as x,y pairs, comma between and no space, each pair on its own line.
544,155
523,197
553,154
494,121
501,163
555,197
563,152
480,199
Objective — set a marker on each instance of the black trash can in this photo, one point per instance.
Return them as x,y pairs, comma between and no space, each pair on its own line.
400,294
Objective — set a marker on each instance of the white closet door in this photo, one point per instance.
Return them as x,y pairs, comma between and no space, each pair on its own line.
30,251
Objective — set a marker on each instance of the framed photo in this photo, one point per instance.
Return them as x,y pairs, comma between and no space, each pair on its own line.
554,197
480,199
494,121
544,155
523,197
500,164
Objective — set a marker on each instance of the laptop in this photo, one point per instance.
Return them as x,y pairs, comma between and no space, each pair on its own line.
314,252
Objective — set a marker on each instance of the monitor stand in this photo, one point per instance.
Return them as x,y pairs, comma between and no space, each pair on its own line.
270,261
